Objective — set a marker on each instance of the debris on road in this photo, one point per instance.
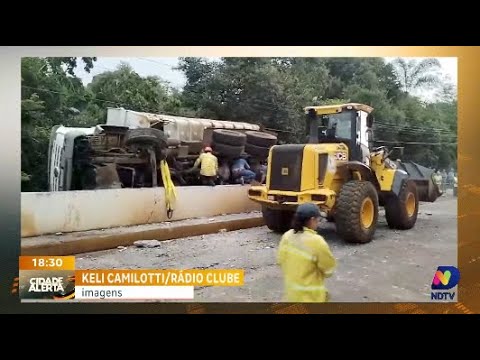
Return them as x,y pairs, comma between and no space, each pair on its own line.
147,243
206,267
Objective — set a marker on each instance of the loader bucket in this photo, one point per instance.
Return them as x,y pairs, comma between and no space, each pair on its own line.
428,191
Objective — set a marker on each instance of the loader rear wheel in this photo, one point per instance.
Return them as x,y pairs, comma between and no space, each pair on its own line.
401,212
357,211
278,221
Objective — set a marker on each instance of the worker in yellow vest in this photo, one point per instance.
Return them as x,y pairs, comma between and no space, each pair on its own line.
438,180
208,166
305,258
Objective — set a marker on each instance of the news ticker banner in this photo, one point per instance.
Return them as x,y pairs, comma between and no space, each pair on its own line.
55,278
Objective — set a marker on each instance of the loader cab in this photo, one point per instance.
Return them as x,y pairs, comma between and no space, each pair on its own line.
350,124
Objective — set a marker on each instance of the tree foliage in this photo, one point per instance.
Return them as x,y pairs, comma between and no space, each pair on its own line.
414,74
268,91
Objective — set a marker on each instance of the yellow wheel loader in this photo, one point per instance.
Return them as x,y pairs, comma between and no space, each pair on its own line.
339,170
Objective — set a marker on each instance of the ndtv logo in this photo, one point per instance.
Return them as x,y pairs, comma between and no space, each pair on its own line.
445,278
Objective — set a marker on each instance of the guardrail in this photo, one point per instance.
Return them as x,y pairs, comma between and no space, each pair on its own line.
71,211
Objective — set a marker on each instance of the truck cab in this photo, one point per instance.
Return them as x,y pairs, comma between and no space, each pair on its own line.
60,155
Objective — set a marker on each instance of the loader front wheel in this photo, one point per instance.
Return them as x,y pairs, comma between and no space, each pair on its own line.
402,211
357,211
278,221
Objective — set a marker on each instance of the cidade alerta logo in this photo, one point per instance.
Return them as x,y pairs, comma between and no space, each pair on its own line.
445,278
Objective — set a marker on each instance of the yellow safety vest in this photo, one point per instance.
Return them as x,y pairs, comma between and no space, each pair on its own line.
209,164
306,260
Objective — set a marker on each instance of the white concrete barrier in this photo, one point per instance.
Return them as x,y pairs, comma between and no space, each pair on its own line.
69,211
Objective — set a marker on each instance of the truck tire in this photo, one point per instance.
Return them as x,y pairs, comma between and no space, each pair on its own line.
356,212
146,136
229,137
261,139
278,221
402,211
257,151
228,150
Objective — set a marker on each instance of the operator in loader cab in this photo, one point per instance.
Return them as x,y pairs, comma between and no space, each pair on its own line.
305,258
208,166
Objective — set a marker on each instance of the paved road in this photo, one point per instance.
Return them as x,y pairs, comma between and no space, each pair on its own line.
396,266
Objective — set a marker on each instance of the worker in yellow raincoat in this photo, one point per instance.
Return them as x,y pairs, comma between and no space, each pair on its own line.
305,258
208,166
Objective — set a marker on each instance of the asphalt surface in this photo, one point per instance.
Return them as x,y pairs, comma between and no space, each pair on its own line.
397,266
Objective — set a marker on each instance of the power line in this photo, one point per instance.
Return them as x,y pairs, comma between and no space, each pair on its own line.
415,142
290,112
408,130
156,62
399,126
285,110
422,133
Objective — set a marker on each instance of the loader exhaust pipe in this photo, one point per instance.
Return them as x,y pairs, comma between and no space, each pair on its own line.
312,123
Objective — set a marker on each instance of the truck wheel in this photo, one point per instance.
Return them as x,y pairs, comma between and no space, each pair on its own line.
257,151
278,221
229,137
261,139
146,136
357,211
228,150
401,212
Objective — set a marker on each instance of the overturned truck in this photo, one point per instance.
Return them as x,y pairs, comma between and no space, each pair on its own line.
125,151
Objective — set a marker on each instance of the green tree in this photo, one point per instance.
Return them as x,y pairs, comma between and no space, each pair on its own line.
414,75
51,94
126,88
273,92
